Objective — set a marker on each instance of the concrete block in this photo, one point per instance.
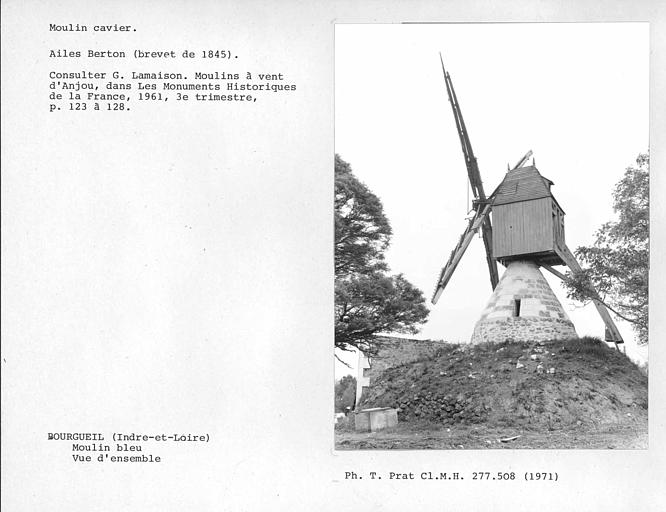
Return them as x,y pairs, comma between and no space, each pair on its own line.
378,418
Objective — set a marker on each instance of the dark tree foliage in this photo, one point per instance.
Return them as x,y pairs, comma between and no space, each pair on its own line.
368,301
345,393
369,304
617,265
362,231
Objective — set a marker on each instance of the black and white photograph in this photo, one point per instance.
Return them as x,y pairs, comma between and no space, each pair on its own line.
332,255
491,236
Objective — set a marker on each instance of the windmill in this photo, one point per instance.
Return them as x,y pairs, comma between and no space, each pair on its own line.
526,232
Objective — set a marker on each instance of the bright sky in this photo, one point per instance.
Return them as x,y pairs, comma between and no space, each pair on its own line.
576,94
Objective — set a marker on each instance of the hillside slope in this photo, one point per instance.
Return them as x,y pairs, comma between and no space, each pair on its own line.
548,386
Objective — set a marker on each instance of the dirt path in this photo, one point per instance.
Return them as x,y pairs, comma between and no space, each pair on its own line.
411,437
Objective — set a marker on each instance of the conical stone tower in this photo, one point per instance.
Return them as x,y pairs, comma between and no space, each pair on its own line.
523,307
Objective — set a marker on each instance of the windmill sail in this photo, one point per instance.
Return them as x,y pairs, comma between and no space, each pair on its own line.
474,224
473,174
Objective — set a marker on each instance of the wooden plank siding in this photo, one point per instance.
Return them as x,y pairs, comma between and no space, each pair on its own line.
523,227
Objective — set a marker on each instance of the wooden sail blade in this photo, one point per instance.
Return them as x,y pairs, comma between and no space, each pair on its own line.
487,234
523,160
470,160
474,224
612,332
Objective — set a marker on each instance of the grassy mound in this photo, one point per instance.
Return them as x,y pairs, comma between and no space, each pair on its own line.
545,386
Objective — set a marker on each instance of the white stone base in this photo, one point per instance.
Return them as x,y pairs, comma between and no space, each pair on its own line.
538,316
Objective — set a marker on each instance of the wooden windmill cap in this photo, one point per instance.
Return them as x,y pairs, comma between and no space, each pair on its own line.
522,184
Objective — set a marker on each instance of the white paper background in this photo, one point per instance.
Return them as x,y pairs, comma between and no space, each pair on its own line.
170,270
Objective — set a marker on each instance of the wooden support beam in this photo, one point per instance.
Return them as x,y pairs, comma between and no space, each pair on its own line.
556,273
568,257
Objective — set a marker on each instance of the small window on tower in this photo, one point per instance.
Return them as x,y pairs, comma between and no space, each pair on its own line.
516,307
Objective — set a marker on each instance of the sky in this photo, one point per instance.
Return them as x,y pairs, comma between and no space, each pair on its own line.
576,94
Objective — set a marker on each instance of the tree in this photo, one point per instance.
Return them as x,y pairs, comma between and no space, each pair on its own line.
362,231
345,393
617,264
366,305
368,301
